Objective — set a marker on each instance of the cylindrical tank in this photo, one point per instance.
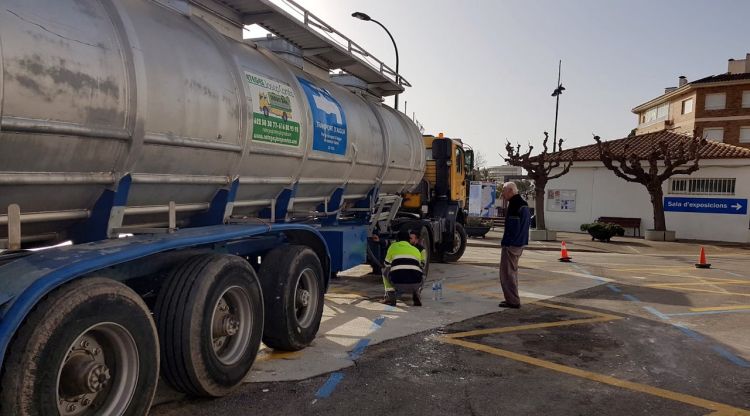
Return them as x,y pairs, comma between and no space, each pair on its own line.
91,90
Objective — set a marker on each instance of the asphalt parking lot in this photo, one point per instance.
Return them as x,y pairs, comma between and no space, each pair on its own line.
627,328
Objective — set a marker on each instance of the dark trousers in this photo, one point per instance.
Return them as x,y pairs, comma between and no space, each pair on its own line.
509,257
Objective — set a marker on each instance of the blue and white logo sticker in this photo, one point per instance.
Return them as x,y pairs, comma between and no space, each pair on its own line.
329,120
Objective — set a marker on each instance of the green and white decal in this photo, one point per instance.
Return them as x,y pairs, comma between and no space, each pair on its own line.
275,111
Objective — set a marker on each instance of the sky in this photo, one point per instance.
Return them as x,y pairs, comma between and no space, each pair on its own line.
484,70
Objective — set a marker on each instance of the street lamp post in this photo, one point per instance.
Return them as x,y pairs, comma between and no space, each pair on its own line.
557,93
366,18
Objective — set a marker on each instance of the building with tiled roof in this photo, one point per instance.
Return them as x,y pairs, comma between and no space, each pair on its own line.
710,204
716,107
643,144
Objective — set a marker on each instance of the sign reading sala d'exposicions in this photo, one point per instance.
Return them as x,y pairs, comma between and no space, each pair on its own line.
706,205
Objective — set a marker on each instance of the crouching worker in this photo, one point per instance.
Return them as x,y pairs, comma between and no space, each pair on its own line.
403,270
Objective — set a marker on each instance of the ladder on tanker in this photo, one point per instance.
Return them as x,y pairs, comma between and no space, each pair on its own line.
385,211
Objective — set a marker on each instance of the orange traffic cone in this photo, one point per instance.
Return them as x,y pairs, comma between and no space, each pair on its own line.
564,257
702,261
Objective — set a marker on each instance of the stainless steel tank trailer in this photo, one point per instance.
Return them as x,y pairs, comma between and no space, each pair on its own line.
209,189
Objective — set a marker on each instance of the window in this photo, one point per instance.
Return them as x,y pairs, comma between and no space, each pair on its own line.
649,115
715,134
662,111
459,159
469,159
703,186
428,153
745,99
687,106
716,101
745,134
656,113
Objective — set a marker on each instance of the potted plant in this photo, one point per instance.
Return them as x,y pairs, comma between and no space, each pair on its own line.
603,231
477,226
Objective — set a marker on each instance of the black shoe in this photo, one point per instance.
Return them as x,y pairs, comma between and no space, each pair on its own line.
416,298
505,304
389,299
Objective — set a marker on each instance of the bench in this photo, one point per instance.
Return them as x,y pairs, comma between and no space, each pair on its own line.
634,223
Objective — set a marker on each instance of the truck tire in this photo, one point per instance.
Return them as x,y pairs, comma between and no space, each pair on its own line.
89,347
209,315
293,286
458,247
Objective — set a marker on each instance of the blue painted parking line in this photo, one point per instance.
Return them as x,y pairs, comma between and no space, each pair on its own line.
330,384
657,313
378,323
689,332
580,269
355,353
584,271
359,349
694,335
731,357
708,312
614,288
631,298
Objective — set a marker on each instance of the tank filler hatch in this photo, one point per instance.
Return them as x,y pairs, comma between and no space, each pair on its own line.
321,44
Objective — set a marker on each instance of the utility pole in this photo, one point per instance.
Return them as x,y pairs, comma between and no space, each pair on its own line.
556,93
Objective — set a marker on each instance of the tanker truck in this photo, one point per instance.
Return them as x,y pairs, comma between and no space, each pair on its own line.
195,193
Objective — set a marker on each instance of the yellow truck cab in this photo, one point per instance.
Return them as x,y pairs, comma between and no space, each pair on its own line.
460,163
441,196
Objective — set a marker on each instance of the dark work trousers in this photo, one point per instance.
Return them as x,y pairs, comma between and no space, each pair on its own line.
509,257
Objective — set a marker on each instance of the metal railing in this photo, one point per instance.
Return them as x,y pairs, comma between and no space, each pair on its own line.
320,27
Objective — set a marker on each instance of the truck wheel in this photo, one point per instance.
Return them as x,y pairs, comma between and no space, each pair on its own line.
209,314
458,246
292,279
89,347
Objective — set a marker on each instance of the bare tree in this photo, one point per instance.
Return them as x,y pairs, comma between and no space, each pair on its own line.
525,187
672,158
480,173
480,161
538,168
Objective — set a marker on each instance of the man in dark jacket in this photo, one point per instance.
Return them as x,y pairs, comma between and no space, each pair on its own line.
515,237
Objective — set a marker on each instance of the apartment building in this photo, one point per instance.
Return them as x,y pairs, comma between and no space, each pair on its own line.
716,107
